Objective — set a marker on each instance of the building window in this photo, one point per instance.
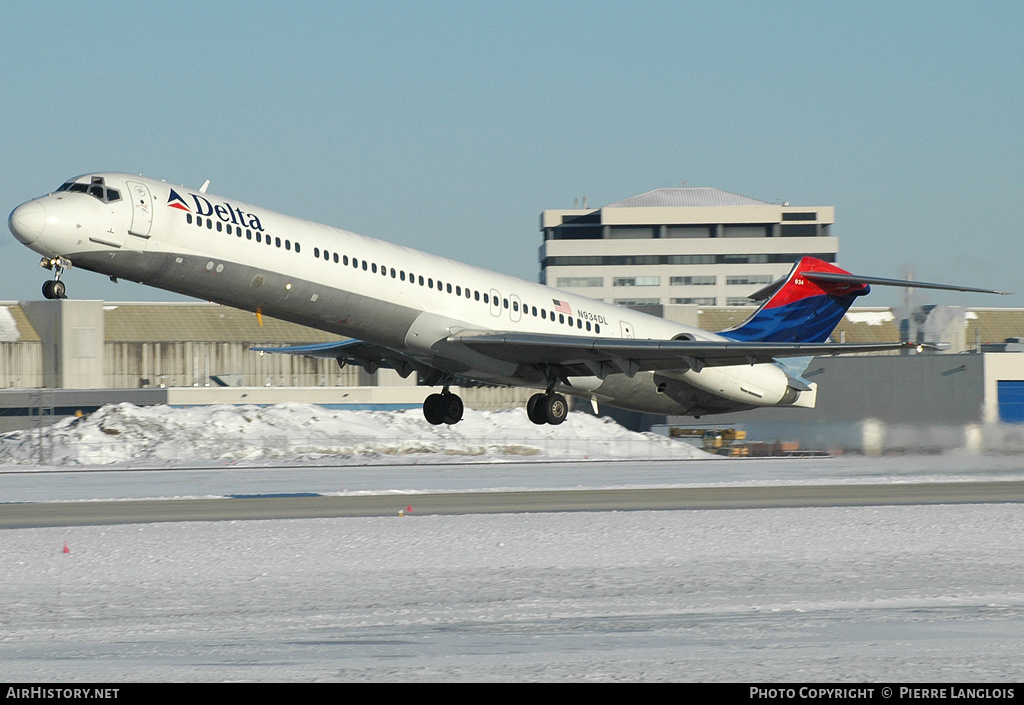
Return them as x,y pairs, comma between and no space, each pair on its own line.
799,216
636,281
799,230
637,302
693,281
675,231
577,282
632,232
695,300
749,279
746,231
739,301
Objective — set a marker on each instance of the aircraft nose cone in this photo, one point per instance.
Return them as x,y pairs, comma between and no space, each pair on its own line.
27,221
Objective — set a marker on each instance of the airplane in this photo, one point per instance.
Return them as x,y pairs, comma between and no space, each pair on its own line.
444,320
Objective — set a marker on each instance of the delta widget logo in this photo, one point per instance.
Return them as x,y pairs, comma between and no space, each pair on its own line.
224,211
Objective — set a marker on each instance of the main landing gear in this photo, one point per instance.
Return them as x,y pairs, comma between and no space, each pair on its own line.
443,408
54,289
549,408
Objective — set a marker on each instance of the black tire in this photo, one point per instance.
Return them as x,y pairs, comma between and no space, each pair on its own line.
433,410
555,408
535,409
48,289
451,408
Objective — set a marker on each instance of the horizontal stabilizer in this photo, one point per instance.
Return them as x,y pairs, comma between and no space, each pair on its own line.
766,292
908,283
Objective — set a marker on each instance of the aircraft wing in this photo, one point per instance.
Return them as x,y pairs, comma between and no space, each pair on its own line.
357,352
574,355
583,355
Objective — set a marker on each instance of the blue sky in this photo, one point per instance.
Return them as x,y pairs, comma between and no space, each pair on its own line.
450,126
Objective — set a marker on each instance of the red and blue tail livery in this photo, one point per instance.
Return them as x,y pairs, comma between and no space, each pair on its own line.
805,308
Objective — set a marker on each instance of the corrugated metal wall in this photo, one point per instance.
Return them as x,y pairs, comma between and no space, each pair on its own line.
21,364
188,364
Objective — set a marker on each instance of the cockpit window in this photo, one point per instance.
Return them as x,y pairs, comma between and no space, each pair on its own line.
95,189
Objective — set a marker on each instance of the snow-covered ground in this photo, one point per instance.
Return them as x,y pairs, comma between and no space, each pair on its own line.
162,435
918,593
922,594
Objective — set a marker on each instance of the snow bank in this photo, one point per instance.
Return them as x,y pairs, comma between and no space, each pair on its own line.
162,435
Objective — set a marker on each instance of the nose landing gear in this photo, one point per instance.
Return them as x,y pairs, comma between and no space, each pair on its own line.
55,289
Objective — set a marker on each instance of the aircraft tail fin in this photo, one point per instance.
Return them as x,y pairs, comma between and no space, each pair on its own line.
802,308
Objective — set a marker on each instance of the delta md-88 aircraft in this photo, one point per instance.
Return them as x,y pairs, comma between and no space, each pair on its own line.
444,320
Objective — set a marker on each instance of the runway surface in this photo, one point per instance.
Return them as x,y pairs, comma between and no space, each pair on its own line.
320,506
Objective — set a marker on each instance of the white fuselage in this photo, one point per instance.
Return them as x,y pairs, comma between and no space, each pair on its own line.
247,257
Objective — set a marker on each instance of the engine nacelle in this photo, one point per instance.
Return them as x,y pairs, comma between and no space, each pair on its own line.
761,385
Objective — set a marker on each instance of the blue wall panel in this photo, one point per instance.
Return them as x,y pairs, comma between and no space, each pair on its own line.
1011,401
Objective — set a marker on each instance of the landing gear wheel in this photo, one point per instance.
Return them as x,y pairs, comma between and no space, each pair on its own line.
54,289
535,409
432,409
452,408
443,408
555,408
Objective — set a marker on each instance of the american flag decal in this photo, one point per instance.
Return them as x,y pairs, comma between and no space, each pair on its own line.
562,307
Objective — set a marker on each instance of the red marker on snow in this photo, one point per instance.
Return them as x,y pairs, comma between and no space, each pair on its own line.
66,549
